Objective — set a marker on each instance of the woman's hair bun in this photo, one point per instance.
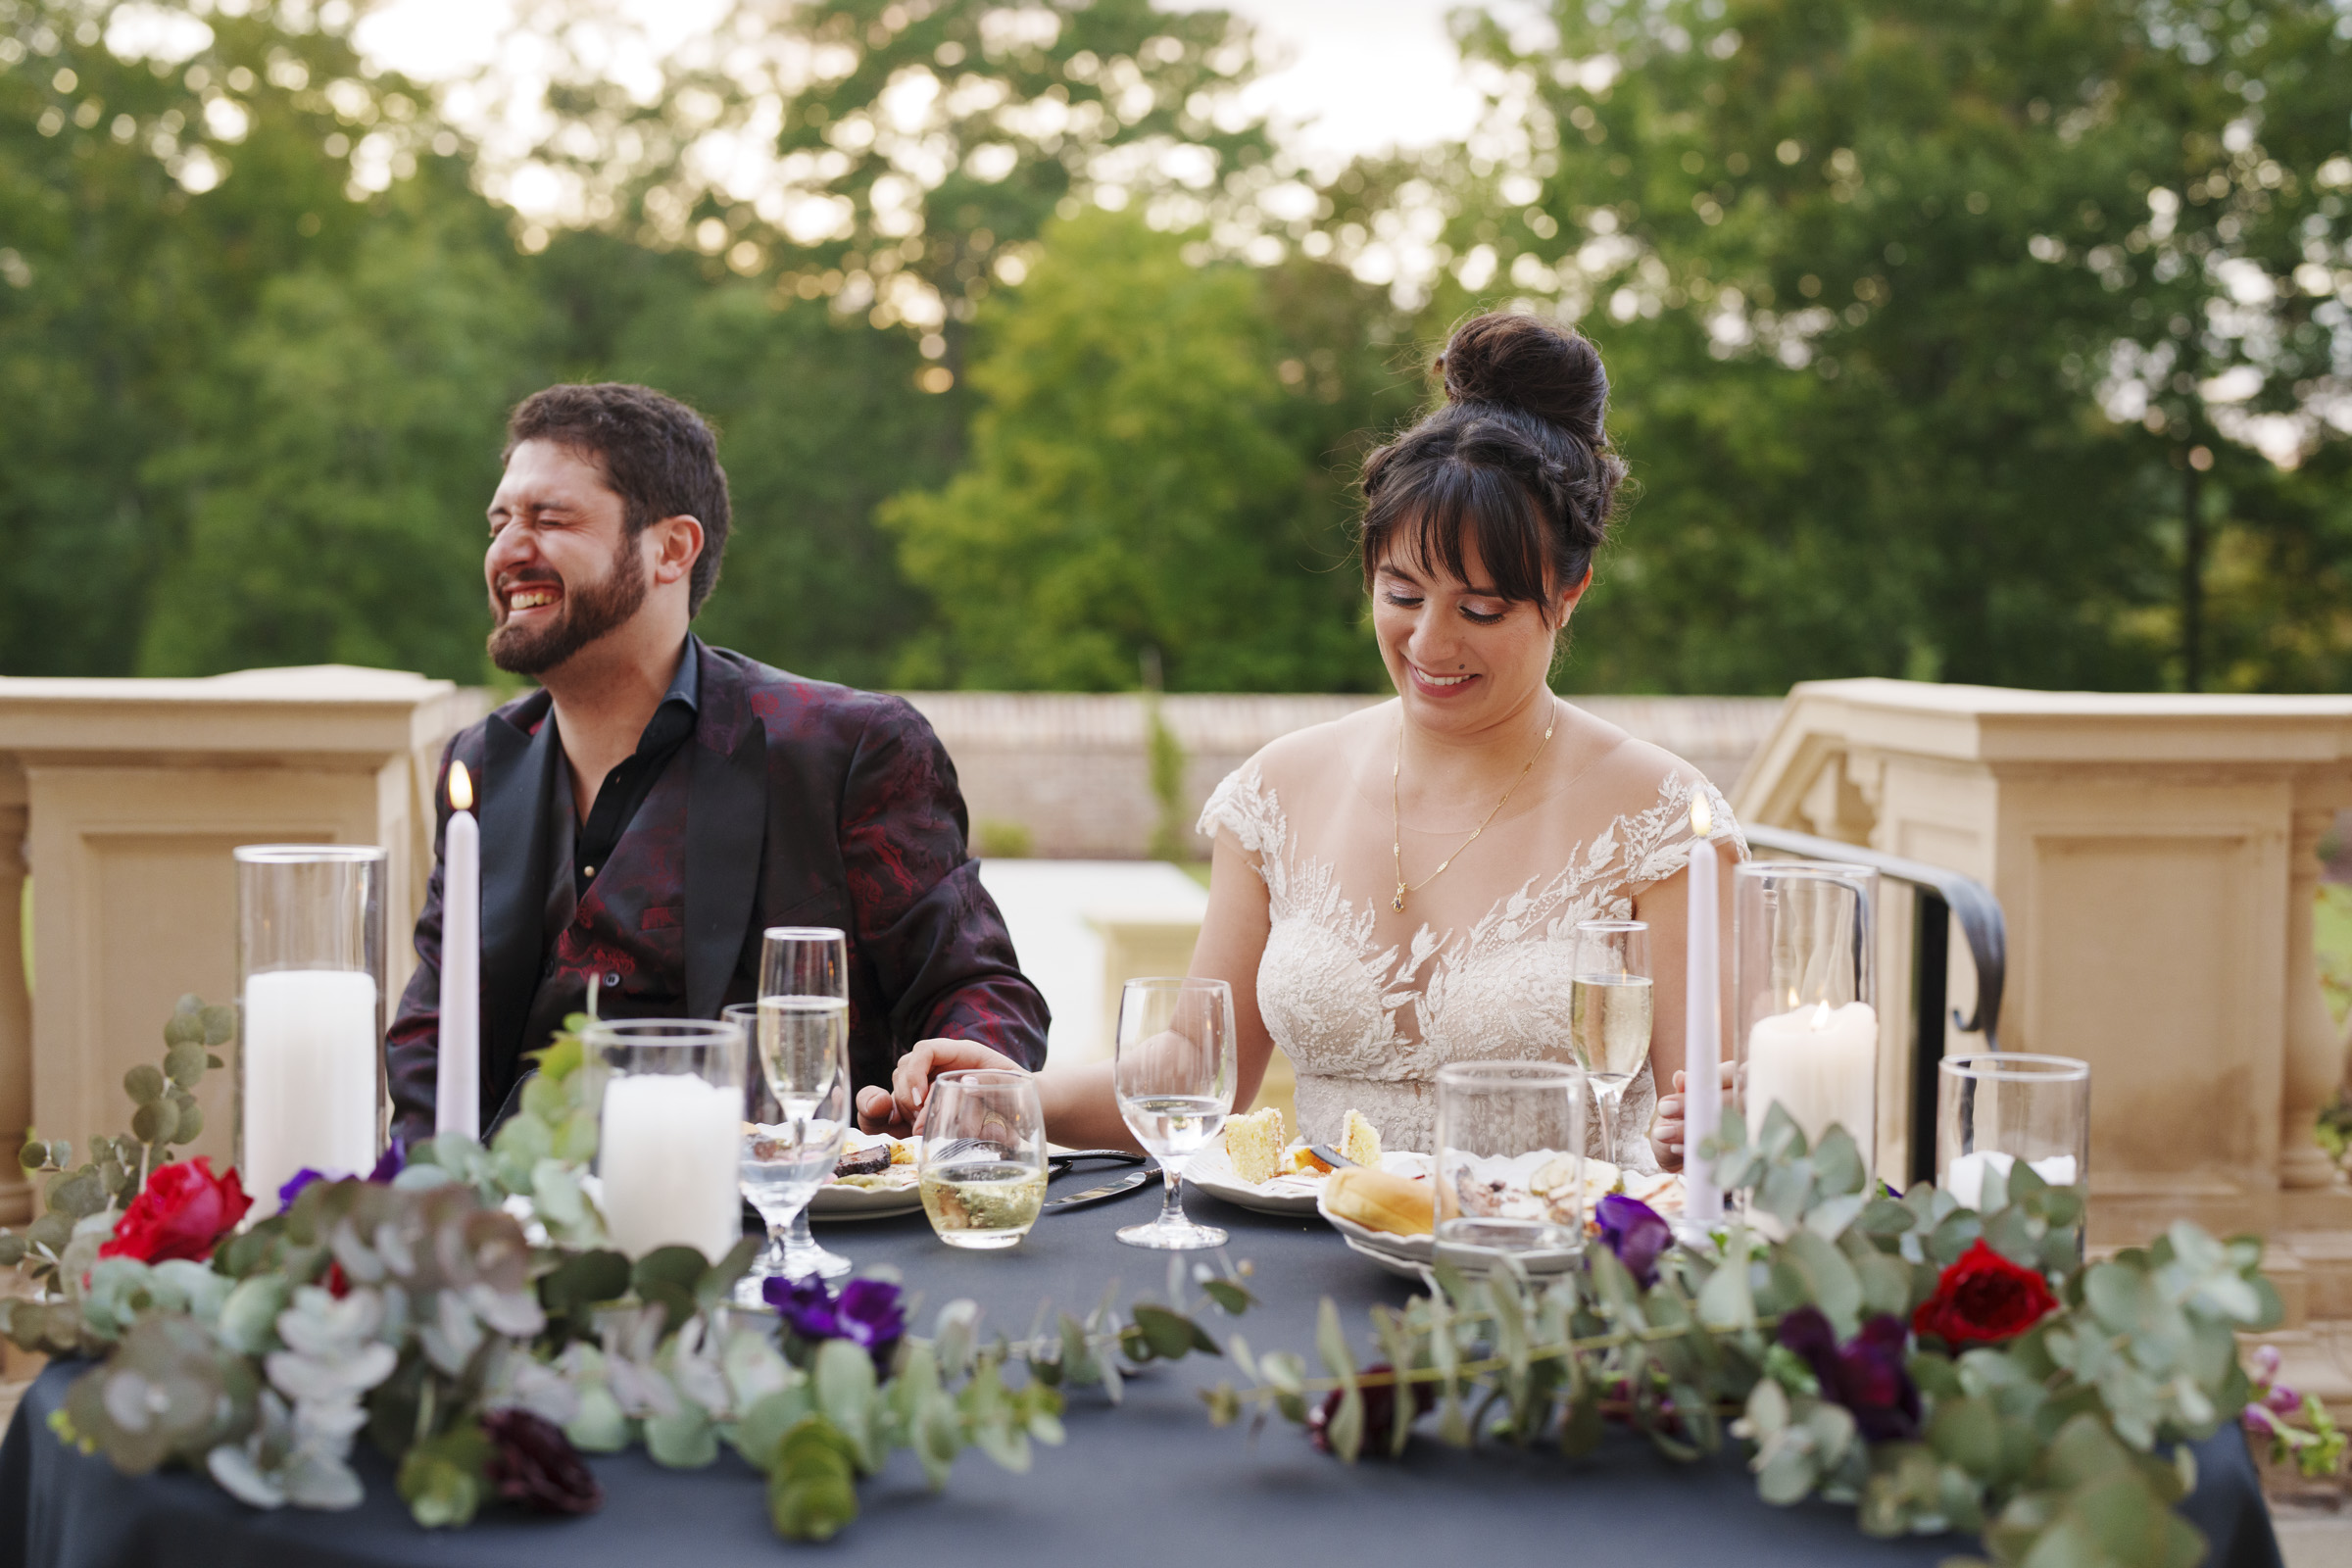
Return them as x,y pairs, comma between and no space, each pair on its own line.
1520,362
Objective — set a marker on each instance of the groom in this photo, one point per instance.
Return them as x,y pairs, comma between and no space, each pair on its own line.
656,802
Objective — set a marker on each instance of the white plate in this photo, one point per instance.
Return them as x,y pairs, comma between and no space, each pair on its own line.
1412,1256
1212,1170
835,1202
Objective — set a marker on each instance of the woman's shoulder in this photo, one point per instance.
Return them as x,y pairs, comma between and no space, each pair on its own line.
1648,792
1288,770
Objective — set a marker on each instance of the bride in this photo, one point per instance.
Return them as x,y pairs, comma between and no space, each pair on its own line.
1400,889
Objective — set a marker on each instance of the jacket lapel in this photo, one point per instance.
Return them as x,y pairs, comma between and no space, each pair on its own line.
517,766
726,824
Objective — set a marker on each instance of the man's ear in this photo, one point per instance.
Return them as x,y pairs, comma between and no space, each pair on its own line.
676,544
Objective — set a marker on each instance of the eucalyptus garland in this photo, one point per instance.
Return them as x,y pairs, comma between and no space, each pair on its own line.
1937,1367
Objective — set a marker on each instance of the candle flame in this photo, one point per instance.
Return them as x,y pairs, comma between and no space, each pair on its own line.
1821,1015
461,787
1702,820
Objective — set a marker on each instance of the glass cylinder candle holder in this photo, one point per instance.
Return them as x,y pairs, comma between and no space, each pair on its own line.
1511,1156
1804,990
670,1133
311,1014
1997,1109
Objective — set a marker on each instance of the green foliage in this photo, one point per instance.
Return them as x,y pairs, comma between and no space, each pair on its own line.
2047,1443
1132,486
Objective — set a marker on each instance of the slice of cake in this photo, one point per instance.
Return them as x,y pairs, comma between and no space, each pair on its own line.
1254,1145
1360,1139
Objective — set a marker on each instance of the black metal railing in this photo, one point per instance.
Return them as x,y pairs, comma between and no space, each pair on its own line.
1941,897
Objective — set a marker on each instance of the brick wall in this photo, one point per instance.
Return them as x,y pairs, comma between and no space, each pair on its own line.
1071,770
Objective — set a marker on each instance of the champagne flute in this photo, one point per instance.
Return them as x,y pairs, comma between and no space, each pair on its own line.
1174,1077
1609,1014
802,1029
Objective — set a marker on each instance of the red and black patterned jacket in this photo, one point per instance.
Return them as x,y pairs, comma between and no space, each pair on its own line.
795,802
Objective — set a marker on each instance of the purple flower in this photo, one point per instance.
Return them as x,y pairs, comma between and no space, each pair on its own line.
1866,1374
395,1157
1636,1233
868,1313
296,1183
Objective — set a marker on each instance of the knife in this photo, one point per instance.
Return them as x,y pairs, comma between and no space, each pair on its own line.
1118,1188
1333,1157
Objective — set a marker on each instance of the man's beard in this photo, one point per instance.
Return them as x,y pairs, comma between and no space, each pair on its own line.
584,615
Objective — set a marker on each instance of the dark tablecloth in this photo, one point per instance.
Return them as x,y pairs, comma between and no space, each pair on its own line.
1149,1483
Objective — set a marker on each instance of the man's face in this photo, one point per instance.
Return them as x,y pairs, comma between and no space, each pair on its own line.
561,569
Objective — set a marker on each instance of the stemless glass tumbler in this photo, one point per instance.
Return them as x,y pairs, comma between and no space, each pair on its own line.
1993,1112
670,1132
1175,1076
984,1157
1511,1156
311,990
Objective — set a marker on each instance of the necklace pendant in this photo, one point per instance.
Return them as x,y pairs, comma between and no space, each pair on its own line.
1398,902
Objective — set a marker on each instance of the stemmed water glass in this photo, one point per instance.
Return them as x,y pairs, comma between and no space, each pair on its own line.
1609,1011
798,1101
1175,1076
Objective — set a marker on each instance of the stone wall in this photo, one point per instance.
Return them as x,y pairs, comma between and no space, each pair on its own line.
1067,775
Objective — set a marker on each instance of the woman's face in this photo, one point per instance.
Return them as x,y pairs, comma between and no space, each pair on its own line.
1462,656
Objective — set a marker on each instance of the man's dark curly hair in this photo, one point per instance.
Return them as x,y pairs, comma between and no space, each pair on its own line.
659,455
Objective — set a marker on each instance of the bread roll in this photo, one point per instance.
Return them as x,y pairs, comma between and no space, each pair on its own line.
1380,1201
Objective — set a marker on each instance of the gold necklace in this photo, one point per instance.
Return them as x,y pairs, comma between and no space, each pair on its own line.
1396,812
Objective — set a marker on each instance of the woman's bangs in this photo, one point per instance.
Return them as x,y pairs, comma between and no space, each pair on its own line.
1427,530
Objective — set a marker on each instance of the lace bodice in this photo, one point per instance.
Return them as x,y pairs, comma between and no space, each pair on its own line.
1367,1022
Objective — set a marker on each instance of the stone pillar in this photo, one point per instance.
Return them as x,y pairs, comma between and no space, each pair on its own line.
2313,1054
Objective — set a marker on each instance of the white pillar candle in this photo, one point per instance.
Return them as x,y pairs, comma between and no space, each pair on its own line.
667,1156
1965,1180
1703,1036
310,1048
1819,1064
456,1084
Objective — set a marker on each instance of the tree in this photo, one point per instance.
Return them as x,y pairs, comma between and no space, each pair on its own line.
1922,316
1131,487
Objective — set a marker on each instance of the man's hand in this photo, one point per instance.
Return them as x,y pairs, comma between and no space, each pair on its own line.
1666,1129
899,1109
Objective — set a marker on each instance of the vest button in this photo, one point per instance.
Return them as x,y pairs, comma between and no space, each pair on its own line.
614,978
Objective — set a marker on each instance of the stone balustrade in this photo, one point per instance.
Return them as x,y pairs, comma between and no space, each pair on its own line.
123,800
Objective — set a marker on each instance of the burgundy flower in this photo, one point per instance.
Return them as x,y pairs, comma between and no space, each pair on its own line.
1636,1233
182,1212
1380,1413
532,1462
868,1313
1866,1374
1983,1299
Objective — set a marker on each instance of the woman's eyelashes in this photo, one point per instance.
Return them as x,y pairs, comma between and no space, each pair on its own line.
1470,612
1483,617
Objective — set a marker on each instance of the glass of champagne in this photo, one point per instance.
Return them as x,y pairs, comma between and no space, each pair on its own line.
1609,1014
802,1034
1175,1075
984,1157
773,1170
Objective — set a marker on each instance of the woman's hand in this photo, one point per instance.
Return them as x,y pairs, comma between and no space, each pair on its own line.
1666,1129
899,1109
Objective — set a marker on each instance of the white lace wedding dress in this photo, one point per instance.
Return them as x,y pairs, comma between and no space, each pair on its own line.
1368,1003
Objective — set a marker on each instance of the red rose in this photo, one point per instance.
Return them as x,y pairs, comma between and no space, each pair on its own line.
183,1210
1982,1299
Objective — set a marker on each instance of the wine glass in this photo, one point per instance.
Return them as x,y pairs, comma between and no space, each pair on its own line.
984,1157
1174,1076
803,1035
770,1183
1609,1013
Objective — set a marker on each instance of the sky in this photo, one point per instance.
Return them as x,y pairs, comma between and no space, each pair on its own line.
1361,76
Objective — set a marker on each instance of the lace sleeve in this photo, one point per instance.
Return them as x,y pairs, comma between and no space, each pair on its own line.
1244,807
1658,841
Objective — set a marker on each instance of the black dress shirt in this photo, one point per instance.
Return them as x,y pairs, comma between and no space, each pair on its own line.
626,788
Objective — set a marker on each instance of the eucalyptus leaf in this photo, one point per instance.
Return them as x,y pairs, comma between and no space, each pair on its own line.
144,1084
